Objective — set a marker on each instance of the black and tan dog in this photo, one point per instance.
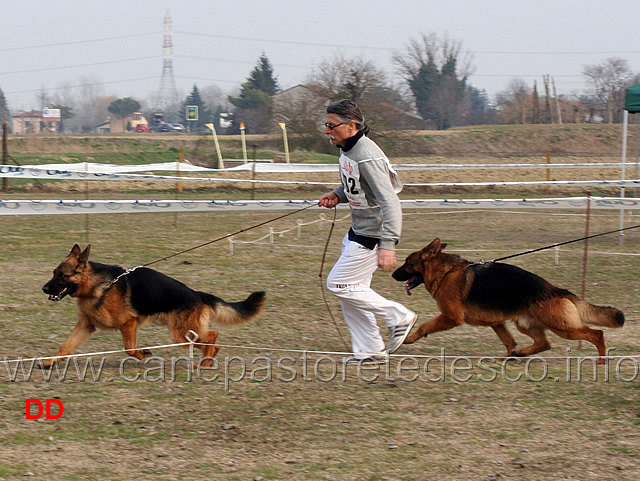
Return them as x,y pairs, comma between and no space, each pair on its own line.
490,293
143,295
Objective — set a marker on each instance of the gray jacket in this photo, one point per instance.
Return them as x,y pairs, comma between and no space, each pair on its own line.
371,187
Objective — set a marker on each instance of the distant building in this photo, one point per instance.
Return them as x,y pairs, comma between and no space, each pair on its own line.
121,125
35,122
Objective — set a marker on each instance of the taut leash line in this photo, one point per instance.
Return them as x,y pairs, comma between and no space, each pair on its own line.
228,235
564,243
131,269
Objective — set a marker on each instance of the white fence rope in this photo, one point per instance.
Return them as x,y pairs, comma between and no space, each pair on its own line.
35,172
272,232
265,167
59,207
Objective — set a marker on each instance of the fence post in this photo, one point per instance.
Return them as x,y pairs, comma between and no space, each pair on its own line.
548,169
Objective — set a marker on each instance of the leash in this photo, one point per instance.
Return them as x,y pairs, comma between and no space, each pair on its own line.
226,236
564,243
322,285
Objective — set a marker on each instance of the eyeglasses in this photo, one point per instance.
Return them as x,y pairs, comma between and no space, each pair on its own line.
332,126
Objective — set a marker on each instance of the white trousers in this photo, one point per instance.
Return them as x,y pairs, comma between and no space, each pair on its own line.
350,281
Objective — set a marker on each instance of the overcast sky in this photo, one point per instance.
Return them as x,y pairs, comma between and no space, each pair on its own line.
45,44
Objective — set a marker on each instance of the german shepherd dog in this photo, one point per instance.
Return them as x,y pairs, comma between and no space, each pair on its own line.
490,293
143,295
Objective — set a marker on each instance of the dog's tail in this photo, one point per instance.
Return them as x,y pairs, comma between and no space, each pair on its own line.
233,313
604,316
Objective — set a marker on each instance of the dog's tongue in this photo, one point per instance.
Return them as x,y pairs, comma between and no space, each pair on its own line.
407,288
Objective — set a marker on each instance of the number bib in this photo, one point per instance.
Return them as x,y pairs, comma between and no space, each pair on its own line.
350,176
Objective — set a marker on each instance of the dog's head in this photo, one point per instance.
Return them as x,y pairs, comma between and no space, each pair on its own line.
68,276
415,268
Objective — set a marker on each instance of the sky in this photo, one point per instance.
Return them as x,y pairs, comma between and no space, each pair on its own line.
46,45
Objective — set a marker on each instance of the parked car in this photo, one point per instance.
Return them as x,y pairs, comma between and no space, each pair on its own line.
162,127
142,128
177,127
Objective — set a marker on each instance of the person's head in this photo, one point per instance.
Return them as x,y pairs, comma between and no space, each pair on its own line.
344,120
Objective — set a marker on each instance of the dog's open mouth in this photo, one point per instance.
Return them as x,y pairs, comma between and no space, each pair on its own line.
413,283
59,295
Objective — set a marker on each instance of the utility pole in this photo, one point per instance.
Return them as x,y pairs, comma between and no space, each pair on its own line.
555,96
535,107
5,151
547,103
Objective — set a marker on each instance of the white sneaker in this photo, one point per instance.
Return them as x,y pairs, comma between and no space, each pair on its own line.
398,333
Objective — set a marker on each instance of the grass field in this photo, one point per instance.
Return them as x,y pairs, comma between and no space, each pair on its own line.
281,414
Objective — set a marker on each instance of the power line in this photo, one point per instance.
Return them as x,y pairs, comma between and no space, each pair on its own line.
47,69
77,42
391,49
244,62
505,52
286,42
84,85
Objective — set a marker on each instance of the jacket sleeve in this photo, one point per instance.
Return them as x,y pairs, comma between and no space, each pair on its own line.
339,191
377,176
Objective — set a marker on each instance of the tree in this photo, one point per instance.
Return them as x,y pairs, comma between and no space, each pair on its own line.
65,113
262,77
513,103
123,108
436,72
90,104
4,108
478,111
253,104
608,81
204,114
363,82
348,78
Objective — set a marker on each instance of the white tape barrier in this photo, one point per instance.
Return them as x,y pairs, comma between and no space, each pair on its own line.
26,173
264,166
49,207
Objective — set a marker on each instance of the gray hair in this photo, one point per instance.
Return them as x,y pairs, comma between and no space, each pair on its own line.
347,111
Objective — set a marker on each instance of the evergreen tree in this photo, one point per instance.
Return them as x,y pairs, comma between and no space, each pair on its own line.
204,114
261,77
431,68
4,108
65,113
253,105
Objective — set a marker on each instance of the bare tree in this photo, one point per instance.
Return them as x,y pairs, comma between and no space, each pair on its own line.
214,97
363,82
512,102
608,81
352,78
90,105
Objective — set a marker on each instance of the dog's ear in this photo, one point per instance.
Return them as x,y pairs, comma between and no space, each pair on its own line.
75,251
433,249
434,246
84,257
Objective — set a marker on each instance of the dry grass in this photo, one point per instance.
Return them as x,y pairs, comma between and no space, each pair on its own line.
306,429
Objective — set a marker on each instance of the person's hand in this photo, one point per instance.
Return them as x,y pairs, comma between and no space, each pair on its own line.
329,200
386,259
